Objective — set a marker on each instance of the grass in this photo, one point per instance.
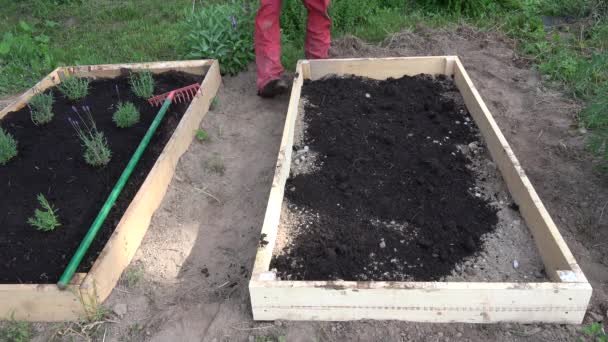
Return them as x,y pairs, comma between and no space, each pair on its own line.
202,135
44,220
41,109
8,147
215,163
134,275
126,115
15,331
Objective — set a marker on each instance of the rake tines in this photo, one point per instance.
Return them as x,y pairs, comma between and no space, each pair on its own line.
181,95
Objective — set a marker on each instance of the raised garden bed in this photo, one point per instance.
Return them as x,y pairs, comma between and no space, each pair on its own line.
50,162
380,197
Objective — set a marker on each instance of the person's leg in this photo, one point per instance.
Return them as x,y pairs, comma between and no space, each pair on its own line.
268,43
318,33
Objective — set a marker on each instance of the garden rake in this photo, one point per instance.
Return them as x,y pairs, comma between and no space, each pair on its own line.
180,95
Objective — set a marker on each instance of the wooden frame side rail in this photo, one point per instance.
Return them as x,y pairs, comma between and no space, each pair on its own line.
45,302
564,300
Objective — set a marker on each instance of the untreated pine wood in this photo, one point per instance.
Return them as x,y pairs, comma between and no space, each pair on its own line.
562,301
45,302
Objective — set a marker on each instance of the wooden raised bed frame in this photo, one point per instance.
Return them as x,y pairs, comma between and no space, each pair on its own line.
45,302
563,300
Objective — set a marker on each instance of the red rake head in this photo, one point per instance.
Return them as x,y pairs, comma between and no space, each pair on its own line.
181,95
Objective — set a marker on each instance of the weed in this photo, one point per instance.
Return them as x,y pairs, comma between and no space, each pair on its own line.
202,135
594,333
15,331
216,164
41,109
126,115
142,84
222,32
46,219
74,88
8,147
215,103
96,150
134,275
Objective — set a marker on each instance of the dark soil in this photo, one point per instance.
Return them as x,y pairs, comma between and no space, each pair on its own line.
50,162
394,196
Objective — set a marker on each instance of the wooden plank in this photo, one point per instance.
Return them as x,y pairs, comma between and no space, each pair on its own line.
420,301
381,68
553,249
50,80
41,302
125,240
113,70
273,209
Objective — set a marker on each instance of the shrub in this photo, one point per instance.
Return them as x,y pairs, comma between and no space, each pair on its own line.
46,219
142,84
74,88
8,147
41,109
96,150
126,115
223,32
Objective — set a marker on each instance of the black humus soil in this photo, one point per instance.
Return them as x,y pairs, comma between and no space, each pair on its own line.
393,193
50,162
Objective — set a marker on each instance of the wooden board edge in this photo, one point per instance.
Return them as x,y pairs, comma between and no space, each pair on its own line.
113,70
559,262
48,81
122,245
420,301
381,68
275,199
41,302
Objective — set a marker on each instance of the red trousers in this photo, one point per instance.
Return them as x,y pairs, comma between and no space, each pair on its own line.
268,37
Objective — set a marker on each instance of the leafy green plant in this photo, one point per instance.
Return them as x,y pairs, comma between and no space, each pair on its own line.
8,147
223,32
74,88
46,219
97,153
126,115
41,109
202,135
15,331
594,333
142,84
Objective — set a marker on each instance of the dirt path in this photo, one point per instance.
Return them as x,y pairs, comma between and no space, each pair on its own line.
199,250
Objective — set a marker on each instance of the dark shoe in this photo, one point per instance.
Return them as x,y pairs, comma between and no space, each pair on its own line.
273,88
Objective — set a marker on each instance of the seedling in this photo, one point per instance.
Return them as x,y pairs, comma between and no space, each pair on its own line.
142,84
202,135
126,115
8,147
46,219
216,164
96,150
41,109
74,88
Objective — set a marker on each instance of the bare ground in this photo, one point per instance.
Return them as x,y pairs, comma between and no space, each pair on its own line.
198,253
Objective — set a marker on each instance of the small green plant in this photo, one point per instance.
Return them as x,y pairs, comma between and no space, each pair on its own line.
216,164
97,153
46,219
134,275
142,84
594,333
74,88
222,32
8,147
41,109
15,331
126,115
202,135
